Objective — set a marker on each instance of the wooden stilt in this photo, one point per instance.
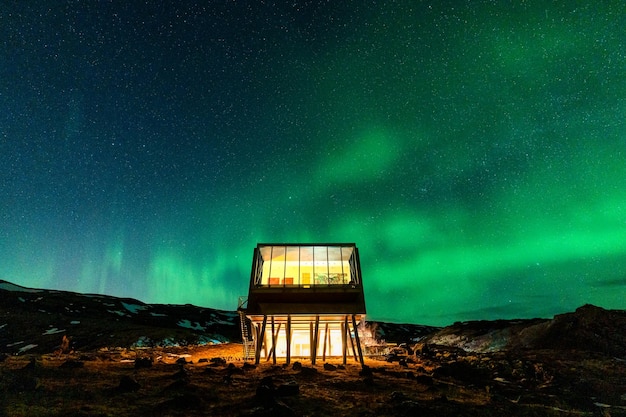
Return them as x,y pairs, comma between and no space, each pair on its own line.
330,345
358,343
264,345
288,337
351,342
277,333
272,352
260,341
344,338
316,338
311,342
325,339
256,334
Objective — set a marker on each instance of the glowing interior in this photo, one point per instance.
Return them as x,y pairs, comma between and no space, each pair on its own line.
306,265
329,340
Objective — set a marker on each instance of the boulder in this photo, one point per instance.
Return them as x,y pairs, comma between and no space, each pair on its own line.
145,362
330,367
72,364
366,371
128,384
288,389
217,361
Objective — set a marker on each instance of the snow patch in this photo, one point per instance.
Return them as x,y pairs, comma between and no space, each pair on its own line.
228,321
169,342
119,313
15,343
215,339
2,326
26,348
158,315
75,322
146,342
188,325
142,342
133,308
53,330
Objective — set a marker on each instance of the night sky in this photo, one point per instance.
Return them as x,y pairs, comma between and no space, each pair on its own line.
474,151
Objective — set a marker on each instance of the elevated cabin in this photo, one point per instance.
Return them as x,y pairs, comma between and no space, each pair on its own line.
304,300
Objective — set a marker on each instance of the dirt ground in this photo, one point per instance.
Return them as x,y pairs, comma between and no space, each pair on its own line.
216,381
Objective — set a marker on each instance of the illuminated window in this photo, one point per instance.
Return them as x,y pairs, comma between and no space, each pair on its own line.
329,342
306,266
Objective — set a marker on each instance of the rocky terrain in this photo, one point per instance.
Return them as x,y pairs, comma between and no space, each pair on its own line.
66,354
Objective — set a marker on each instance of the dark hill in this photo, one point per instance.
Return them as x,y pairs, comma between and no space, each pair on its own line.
589,328
35,320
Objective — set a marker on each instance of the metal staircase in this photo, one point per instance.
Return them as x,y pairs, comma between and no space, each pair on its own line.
246,336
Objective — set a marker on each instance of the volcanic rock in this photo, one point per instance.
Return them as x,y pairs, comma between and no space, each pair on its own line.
217,361
288,389
128,384
366,371
72,364
143,363
184,401
329,367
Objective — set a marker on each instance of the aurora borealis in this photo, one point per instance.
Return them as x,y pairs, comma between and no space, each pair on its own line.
475,151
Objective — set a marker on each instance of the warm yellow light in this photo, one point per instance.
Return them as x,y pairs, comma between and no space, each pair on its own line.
301,342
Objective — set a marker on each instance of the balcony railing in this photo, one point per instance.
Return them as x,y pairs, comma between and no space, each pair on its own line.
242,303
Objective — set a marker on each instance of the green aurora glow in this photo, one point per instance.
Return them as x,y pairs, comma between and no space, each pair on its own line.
475,153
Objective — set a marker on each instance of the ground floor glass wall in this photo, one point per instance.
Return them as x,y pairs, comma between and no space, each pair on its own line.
301,343
330,338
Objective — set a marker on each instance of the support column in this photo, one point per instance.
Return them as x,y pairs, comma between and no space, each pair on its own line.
326,337
272,352
358,343
311,341
330,344
288,337
255,336
351,342
344,338
260,341
315,340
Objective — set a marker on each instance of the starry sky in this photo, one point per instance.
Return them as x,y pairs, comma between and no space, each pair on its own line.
475,151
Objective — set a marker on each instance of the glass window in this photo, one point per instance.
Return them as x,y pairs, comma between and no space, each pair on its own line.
306,265
320,264
292,266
